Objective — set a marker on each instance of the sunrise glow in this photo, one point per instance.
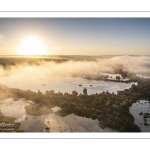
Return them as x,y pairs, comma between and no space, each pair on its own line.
31,46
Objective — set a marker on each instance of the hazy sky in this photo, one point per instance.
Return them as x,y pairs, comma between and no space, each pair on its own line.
77,36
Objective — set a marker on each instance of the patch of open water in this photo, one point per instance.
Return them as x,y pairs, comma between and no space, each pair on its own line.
29,123
139,119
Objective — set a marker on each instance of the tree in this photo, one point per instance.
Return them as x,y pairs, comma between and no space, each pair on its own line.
75,93
118,78
85,91
51,92
134,88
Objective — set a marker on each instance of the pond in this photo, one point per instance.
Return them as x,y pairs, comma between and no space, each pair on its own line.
138,111
62,84
29,123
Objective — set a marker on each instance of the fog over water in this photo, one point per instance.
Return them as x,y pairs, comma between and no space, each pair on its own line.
134,64
68,75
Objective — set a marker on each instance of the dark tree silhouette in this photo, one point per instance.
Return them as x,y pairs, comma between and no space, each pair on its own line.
75,93
85,91
118,78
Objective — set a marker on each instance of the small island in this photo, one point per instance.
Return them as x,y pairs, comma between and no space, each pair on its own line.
37,110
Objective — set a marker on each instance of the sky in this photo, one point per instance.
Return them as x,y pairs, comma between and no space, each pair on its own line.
75,36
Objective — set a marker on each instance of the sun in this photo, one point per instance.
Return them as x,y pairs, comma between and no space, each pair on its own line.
31,46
